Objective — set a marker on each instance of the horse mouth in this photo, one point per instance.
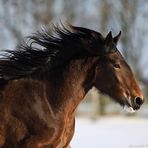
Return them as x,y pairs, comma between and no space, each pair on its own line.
129,109
129,106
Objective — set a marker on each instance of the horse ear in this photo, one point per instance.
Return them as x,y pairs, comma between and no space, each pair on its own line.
108,41
116,38
108,38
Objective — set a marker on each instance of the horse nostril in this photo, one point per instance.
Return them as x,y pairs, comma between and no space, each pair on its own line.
138,101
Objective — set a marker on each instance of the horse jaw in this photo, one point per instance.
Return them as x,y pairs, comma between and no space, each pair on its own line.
129,109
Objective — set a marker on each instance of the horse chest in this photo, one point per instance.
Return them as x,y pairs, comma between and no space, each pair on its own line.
64,129
67,134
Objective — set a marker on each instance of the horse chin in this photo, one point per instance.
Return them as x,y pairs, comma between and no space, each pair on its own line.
129,109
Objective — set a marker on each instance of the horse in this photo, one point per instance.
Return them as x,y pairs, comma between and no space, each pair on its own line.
45,78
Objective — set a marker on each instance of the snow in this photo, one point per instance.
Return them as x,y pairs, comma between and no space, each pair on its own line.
111,132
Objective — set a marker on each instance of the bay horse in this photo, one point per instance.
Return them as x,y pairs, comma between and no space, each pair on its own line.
47,76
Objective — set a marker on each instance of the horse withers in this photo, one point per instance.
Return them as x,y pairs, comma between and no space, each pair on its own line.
45,78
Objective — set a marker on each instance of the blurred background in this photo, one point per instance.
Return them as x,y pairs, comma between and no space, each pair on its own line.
100,122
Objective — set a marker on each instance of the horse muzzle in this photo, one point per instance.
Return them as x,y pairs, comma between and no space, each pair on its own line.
134,104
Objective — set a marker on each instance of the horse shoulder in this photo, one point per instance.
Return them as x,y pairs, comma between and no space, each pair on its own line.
29,113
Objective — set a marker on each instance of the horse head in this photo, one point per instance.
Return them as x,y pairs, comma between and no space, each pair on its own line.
115,78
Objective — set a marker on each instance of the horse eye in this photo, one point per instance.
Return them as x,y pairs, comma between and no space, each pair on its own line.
116,65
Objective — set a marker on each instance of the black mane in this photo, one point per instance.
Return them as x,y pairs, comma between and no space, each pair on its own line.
47,48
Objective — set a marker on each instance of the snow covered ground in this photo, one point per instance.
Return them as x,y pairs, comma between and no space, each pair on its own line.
111,132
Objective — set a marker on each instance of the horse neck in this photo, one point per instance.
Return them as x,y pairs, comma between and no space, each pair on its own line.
68,85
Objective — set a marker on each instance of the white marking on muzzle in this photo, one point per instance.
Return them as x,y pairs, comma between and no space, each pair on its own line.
129,109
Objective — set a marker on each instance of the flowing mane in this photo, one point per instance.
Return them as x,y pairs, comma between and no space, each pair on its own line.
48,48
